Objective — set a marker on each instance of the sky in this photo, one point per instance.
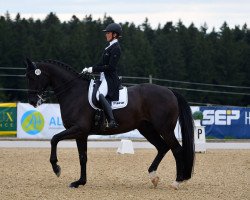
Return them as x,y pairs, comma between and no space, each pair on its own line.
212,12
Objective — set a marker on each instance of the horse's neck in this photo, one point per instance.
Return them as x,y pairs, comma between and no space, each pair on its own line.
63,80
59,76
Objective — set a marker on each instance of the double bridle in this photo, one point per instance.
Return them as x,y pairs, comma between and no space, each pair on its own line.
59,90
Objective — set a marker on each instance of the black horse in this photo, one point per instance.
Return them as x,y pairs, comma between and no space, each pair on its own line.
151,109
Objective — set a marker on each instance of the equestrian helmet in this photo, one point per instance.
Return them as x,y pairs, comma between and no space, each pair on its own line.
113,27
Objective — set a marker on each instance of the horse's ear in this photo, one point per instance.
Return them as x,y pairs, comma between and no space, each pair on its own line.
29,65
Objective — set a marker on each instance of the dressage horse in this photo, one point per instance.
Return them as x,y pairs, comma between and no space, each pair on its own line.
152,109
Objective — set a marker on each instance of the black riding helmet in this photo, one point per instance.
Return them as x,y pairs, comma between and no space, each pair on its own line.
113,27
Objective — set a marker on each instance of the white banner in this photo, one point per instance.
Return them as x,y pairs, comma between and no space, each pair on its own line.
45,121
42,122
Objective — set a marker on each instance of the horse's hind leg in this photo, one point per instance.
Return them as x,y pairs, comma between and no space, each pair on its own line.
148,131
177,151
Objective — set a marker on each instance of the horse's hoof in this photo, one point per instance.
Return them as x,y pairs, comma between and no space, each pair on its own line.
58,173
155,181
76,184
73,185
57,170
175,185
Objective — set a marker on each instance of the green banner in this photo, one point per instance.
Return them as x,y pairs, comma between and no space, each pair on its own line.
8,119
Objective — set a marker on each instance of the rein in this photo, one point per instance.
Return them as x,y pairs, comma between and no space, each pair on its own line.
61,89
64,87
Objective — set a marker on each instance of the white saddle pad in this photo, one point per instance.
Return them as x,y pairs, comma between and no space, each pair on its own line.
123,97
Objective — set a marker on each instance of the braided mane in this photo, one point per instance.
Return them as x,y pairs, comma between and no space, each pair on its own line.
61,64
85,76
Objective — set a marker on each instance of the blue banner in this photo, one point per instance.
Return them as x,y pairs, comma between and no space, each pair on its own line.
226,122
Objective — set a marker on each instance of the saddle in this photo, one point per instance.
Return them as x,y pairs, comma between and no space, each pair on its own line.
100,121
93,87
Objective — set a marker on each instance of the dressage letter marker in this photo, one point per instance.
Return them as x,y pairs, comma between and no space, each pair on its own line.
200,139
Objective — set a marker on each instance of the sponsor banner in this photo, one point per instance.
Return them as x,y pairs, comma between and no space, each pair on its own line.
8,119
45,121
42,122
226,122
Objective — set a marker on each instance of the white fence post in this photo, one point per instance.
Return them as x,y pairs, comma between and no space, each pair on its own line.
150,79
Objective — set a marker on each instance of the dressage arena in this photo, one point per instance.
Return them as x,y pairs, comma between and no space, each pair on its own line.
27,174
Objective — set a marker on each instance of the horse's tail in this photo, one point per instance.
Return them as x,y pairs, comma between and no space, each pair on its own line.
187,131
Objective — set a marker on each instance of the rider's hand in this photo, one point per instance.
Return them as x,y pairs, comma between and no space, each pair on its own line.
87,69
84,70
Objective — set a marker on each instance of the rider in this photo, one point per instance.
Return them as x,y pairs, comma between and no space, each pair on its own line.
109,88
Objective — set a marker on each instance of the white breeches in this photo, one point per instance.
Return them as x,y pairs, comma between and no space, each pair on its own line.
103,89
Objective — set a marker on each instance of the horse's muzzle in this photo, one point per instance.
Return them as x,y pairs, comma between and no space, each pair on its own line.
33,101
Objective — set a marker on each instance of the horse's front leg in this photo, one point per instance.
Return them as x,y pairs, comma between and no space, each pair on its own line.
82,150
70,133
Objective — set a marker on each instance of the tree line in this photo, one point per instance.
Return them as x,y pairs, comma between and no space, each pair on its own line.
170,51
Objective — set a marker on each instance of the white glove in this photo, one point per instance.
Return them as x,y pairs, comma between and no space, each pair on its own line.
87,69
84,70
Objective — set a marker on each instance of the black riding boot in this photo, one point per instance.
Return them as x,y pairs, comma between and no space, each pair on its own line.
108,111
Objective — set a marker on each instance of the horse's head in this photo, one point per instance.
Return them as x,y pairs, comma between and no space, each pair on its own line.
37,82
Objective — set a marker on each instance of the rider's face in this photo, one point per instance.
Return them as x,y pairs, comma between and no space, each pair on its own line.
109,36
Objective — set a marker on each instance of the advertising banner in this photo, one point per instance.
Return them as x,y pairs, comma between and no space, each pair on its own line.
45,121
42,122
8,119
226,122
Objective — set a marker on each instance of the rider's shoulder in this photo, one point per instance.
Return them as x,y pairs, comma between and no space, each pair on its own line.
115,47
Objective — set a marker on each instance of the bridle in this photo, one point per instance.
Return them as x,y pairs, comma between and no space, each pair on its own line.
58,91
40,91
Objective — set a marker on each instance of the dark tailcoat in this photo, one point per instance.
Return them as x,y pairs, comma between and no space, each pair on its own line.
108,65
